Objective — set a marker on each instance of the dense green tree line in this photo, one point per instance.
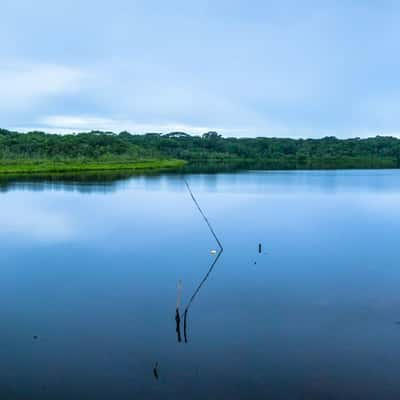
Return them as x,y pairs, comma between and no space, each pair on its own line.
209,149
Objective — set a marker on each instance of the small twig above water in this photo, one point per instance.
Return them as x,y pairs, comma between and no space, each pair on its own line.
155,370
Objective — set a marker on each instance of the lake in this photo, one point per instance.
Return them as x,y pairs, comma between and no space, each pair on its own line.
90,268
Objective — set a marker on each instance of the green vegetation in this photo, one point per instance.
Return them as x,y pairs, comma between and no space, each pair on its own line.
40,152
36,166
37,152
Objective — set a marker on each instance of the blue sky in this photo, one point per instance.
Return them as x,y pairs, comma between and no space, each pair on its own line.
243,68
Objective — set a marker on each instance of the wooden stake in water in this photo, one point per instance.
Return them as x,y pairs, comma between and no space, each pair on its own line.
259,248
177,314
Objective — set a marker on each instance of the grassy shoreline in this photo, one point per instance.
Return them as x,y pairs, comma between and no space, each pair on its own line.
41,166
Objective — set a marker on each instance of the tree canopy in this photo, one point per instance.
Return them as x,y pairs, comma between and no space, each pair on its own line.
260,152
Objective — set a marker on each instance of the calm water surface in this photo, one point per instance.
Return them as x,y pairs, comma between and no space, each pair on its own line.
89,276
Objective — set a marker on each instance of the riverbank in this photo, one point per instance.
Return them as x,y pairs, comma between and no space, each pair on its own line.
44,166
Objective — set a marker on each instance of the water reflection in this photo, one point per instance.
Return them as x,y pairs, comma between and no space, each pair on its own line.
83,182
196,292
95,289
210,269
257,182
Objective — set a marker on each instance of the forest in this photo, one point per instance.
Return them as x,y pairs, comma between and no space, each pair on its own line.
38,150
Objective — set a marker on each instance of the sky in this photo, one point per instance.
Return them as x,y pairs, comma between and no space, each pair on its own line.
243,68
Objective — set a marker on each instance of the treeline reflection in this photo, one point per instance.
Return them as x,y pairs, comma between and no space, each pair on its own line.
103,182
210,179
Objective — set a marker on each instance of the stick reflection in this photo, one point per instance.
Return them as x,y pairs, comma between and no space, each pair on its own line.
196,292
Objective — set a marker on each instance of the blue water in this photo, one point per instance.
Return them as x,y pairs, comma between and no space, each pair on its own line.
89,272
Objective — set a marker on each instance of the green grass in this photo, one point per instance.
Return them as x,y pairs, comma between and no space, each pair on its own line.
39,166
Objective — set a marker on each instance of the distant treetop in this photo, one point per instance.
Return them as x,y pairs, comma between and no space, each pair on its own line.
211,135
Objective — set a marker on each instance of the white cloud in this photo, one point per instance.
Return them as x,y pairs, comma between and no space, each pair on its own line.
65,124
76,123
22,86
